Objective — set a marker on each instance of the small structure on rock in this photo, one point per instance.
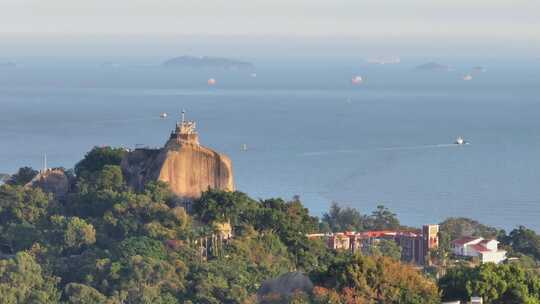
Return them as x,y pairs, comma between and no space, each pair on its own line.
188,167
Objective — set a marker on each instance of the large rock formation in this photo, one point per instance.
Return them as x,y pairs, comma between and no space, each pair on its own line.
51,181
183,163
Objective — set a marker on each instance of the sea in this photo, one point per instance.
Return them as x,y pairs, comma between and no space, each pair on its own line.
308,130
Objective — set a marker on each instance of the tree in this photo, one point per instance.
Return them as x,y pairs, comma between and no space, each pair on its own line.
79,233
494,283
292,222
83,294
22,281
127,214
142,246
236,274
97,159
22,209
22,177
525,241
158,191
383,219
458,227
148,281
344,219
387,248
222,206
110,178
363,279
23,205
70,234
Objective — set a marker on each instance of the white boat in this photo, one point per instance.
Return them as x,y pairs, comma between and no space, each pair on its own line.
244,147
356,80
460,141
163,115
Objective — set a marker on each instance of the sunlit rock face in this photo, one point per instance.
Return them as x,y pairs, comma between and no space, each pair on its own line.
52,181
188,167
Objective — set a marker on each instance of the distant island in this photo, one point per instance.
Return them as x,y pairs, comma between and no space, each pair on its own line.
384,60
8,64
110,64
206,62
479,69
433,66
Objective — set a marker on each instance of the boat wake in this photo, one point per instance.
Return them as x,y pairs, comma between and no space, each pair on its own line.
420,147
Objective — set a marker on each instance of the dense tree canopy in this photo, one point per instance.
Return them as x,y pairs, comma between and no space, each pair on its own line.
458,227
106,243
344,219
524,241
387,248
22,281
340,219
378,279
22,177
495,283
97,159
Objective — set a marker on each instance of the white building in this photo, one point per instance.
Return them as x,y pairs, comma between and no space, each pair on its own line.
477,300
486,250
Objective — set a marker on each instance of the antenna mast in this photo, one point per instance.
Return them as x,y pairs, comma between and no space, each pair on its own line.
44,162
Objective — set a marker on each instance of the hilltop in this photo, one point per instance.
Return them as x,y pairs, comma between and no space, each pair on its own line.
183,163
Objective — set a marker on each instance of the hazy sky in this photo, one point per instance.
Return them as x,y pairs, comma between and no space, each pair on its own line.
493,23
495,18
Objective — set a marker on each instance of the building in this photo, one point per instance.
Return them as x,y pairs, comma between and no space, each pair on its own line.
411,247
415,245
486,250
477,300
474,300
430,241
341,241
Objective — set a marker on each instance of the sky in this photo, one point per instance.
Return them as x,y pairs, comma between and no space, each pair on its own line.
488,23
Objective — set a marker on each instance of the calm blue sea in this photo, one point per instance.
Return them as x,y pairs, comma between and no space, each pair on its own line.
308,130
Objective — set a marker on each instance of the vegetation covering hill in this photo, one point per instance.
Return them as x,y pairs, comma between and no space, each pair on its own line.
105,243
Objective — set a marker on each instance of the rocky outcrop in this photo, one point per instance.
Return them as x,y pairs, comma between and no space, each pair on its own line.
188,167
286,285
51,181
192,169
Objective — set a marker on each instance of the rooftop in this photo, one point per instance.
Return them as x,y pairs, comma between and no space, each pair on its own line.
480,248
465,239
